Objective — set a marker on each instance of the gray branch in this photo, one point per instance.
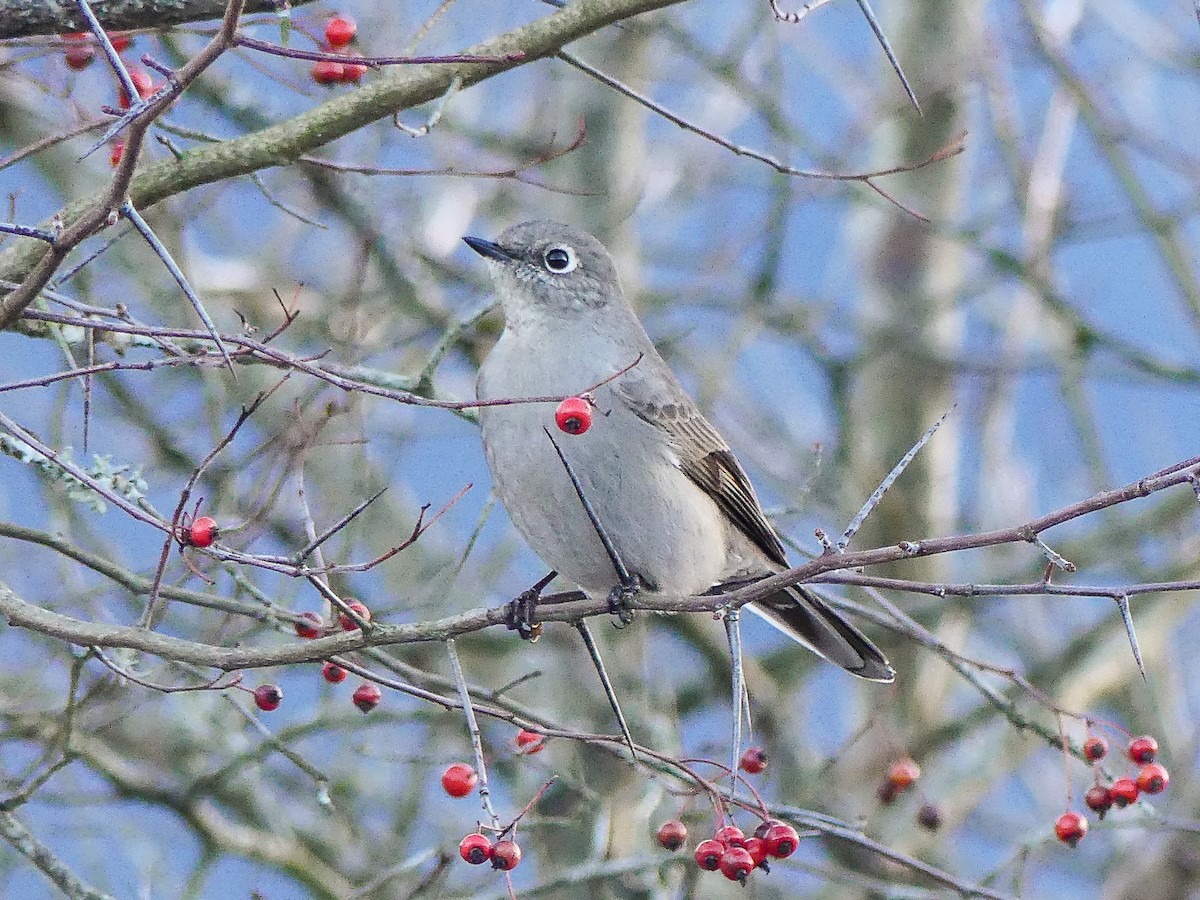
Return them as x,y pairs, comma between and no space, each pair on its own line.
41,856
27,18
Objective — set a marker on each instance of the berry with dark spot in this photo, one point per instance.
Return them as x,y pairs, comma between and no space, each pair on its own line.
475,849
268,697
1070,828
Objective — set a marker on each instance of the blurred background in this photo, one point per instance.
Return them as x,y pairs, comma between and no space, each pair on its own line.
1052,298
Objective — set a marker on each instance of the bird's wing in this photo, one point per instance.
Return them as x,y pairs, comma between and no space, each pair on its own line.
704,457
658,399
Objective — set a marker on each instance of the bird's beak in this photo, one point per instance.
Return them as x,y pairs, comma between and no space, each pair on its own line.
489,249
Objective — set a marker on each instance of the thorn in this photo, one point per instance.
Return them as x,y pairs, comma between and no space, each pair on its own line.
887,49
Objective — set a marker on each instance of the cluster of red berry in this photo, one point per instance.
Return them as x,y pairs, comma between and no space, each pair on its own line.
311,625
458,781
1152,778
339,32
730,851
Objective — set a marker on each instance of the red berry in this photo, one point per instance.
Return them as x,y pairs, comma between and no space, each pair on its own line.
1143,750
309,625
737,864
529,742
348,624
142,82
764,826
757,848
118,150
506,855
367,696
672,835
781,840
120,41
730,836
79,57
1098,799
268,697
459,780
753,761
1095,748
929,817
708,855
203,531
326,71
339,31
1124,791
1070,828
574,415
352,72
335,674
1153,779
903,773
475,849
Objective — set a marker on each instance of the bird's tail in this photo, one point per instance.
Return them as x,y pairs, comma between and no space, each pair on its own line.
809,620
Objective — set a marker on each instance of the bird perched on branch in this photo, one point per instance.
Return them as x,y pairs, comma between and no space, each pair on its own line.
661,504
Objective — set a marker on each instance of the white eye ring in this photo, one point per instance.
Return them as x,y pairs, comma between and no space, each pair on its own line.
560,260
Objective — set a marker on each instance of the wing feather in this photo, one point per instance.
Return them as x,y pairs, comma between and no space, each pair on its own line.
704,457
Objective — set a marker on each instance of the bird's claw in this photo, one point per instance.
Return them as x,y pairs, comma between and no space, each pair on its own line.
521,612
618,601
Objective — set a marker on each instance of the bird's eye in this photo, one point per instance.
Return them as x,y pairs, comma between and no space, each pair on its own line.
560,259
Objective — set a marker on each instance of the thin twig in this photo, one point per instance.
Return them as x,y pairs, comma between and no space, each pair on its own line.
319,777
1127,619
27,231
464,695
144,229
435,115
110,52
213,684
304,552
606,682
887,482
97,215
624,577
733,632
887,49
952,148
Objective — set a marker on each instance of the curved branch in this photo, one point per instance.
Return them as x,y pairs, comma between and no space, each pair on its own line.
285,143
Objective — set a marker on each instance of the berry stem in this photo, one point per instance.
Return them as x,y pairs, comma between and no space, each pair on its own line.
528,806
464,694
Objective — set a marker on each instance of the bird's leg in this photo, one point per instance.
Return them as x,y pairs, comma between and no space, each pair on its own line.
521,610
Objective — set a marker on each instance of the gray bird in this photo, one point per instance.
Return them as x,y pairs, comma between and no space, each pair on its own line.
674,501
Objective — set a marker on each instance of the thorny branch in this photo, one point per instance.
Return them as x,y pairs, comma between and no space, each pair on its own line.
573,606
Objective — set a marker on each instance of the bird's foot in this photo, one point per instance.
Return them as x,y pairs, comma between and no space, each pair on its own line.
619,597
522,609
